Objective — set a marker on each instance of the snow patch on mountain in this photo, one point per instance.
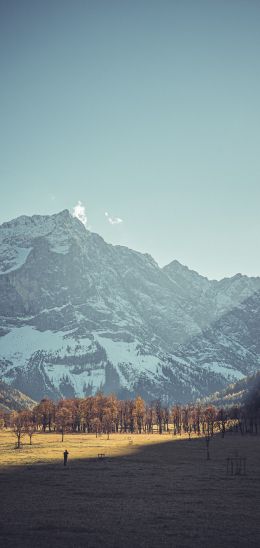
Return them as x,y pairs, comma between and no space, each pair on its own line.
20,343
60,374
230,373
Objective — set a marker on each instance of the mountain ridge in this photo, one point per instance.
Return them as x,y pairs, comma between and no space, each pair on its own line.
128,323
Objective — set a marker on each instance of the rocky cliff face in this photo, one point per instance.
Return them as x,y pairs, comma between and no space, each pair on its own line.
78,315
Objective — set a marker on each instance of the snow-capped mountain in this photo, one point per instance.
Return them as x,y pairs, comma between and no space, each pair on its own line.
78,315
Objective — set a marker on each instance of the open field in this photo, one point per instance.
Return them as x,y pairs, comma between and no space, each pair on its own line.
160,491
47,448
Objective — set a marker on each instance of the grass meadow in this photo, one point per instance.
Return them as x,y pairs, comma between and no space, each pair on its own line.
149,491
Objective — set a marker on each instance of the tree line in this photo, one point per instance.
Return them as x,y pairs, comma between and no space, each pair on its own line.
101,414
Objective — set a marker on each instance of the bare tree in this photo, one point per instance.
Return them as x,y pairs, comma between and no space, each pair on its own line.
222,418
18,427
30,429
207,438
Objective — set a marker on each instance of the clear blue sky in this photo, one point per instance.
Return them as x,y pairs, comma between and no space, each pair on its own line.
146,109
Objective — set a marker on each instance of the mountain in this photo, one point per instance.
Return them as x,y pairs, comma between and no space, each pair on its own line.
13,400
78,315
244,392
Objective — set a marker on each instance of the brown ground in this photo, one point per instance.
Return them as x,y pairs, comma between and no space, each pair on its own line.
158,494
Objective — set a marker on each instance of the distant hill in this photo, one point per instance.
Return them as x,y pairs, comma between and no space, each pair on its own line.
13,400
238,393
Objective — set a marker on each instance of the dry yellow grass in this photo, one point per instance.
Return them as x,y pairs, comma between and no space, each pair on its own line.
48,447
160,491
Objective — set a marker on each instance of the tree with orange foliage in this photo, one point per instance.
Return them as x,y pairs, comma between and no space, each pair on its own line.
221,419
63,419
95,426
209,418
176,419
45,412
139,413
107,422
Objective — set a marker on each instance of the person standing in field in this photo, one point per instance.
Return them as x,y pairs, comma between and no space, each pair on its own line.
65,456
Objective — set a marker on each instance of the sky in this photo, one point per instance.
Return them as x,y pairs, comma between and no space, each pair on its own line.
147,112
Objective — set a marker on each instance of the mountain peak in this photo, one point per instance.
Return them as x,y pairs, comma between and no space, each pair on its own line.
178,268
19,236
64,214
39,225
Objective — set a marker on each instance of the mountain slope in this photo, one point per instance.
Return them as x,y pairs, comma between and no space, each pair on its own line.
231,342
78,314
208,300
13,400
243,392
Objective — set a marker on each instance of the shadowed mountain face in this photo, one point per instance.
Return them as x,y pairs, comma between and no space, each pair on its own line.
245,392
78,314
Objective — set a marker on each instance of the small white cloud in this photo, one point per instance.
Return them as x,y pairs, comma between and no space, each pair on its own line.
79,211
113,220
